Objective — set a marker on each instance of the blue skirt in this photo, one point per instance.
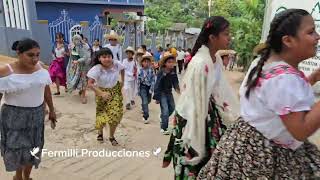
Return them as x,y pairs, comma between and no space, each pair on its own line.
22,132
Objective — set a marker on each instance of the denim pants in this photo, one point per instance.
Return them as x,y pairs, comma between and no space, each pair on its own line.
145,99
167,107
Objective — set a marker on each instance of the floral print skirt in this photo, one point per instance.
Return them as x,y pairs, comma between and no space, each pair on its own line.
76,76
110,111
244,153
176,152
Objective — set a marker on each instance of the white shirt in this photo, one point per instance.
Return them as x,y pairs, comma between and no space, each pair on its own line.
147,53
95,49
24,90
181,55
129,67
277,94
59,52
106,78
116,51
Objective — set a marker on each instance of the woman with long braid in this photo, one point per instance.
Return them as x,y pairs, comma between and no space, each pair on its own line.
278,110
205,98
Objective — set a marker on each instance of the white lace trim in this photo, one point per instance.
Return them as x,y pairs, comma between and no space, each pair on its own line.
18,82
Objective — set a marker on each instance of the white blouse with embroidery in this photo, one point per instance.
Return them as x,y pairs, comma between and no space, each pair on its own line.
59,52
278,93
106,78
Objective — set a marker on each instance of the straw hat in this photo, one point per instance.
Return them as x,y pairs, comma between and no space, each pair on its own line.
150,58
174,52
165,57
258,48
76,37
130,49
226,52
140,51
112,35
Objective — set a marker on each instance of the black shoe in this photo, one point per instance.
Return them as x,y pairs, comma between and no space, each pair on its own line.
57,94
128,107
133,103
100,138
146,121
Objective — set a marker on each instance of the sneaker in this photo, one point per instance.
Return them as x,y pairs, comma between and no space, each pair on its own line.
128,107
146,121
167,132
133,103
164,132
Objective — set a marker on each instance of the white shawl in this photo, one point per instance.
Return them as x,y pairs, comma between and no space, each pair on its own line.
203,79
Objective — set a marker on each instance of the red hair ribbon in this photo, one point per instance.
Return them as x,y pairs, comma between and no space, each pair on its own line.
209,25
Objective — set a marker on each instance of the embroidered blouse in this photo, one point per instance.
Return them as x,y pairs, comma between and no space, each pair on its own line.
281,90
106,78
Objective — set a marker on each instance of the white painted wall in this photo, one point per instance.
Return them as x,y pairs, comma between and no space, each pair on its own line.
16,14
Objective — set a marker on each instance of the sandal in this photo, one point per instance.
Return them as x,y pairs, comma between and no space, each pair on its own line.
15,178
84,100
113,141
100,137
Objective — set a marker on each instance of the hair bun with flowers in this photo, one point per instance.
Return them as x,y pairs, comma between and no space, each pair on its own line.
209,25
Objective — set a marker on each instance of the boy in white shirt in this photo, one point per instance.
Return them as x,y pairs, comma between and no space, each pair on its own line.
130,83
180,59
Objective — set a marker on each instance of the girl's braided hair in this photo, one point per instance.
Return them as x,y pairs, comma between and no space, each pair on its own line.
285,23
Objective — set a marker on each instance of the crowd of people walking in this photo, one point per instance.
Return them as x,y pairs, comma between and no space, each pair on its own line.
271,122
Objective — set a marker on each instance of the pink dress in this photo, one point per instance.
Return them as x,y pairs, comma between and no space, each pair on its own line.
56,68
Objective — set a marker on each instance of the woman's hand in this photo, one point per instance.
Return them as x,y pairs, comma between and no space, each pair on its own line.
157,102
105,96
53,119
314,77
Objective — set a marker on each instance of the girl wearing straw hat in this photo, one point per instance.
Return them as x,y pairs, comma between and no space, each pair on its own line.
114,45
130,82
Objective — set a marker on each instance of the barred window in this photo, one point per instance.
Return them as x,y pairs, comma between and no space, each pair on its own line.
16,14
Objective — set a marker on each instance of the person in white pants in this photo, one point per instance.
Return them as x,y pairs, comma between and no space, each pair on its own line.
130,82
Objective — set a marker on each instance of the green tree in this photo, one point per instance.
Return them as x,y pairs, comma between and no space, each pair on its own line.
163,13
246,17
246,29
